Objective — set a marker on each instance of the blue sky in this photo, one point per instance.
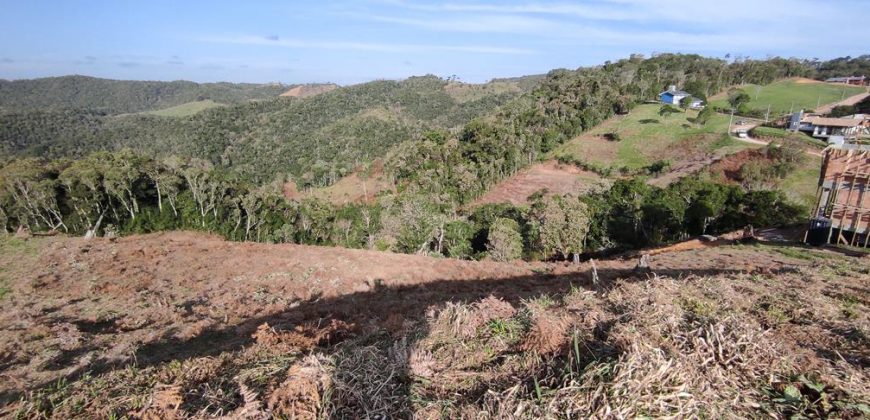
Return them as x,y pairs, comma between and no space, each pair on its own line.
355,41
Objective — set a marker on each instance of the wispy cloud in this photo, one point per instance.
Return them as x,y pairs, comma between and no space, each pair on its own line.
362,46
631,10
634,24
478,23
609,10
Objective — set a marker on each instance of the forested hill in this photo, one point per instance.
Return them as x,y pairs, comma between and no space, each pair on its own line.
316,139
122,96
443,143
501,126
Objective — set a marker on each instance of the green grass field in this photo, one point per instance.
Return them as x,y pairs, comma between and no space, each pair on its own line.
186,109
801,184
786,95
647,137
798,138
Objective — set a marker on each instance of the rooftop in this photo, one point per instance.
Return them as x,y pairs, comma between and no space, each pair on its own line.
833,122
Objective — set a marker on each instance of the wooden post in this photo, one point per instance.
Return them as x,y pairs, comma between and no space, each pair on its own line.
730,120
859,208
594,272
835,192
847,206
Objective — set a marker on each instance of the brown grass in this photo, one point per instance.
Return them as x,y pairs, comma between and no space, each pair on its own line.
550,176
715,332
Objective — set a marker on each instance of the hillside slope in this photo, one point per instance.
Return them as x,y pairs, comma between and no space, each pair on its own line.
317,139
187,325
121,96
791,95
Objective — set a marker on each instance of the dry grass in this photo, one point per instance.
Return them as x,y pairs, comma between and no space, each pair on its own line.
789,340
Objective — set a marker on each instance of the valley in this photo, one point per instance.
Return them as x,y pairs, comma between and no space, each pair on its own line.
581,243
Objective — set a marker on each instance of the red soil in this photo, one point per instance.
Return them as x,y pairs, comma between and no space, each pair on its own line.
550,175
77,305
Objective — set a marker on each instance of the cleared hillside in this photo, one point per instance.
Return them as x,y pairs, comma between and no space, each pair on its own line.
187,325
549,177
186,109
791,95
644,137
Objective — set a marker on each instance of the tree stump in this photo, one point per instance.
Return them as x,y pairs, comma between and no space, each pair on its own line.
22,233
642,266
594,272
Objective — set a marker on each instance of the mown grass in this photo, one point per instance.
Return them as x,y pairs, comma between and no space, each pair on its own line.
787,95
644,136
779,133
186,109
800,185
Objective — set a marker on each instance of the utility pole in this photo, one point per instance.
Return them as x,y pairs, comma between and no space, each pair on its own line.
767,116
730,120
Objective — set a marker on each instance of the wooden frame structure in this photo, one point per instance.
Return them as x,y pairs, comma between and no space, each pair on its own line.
843,196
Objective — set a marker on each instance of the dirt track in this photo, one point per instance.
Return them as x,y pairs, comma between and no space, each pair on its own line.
852,100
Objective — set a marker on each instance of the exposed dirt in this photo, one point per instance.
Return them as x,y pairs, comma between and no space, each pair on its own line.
852,100
304,91
250,330
550,175
685,167
356,187
804,80
728,168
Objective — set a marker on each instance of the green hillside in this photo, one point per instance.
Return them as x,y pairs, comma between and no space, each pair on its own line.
646,137
122,96
790,95
316,139
186,109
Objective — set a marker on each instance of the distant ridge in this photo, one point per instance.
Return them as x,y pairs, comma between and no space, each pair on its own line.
122,96
304,91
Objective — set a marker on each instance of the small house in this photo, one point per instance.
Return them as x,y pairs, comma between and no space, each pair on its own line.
850,80
821,127
672,96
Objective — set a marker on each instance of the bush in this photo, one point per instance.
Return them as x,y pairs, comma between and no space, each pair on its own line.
614,136
504,242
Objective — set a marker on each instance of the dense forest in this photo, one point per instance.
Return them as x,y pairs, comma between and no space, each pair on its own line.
122,96
316,140
223,169
121,193
843,66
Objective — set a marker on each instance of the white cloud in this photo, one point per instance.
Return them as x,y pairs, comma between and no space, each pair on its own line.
759,26
638,10
362,46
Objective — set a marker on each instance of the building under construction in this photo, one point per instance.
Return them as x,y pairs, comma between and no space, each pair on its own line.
842,212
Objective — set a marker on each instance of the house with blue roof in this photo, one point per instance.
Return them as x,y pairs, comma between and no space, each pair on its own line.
672,96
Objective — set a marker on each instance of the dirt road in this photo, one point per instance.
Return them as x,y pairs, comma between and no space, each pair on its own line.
852,100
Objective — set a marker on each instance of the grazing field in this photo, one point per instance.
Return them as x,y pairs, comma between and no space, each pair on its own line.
185,325
186,109
792,95
646,137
